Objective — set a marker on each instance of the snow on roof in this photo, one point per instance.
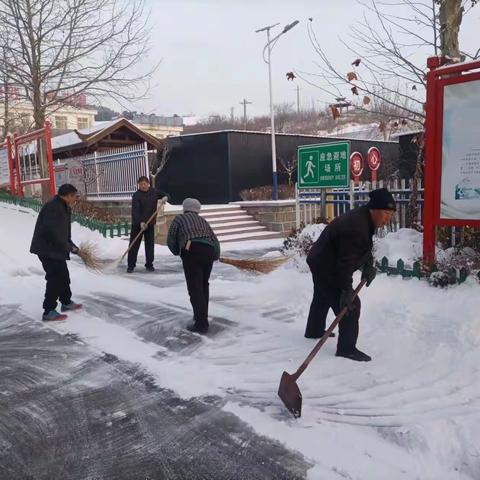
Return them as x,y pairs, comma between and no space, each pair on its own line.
71,138
406,132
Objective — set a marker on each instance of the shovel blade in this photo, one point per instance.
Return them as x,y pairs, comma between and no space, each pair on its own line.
290,394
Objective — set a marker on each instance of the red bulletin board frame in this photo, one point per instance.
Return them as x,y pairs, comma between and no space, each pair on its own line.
438,78
41,134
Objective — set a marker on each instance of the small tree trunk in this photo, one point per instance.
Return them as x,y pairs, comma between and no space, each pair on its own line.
6,112
412,211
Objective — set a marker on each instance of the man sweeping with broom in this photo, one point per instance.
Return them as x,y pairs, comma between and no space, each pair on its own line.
144,205
191,237
53,244
344,247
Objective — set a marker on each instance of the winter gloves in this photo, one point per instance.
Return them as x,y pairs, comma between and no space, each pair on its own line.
143,226
369,273
346,299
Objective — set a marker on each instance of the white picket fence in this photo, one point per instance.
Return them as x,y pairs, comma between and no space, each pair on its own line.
312,204
111,174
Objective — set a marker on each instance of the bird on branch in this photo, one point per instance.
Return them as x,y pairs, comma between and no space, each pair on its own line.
291,76
356,63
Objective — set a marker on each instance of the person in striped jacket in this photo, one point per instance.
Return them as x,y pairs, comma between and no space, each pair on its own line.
191,237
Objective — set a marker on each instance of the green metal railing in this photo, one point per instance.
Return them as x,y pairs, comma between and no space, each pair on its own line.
455,276
111,230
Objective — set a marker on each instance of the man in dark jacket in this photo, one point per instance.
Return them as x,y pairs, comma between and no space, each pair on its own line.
191,237
53,244
144,205
345,246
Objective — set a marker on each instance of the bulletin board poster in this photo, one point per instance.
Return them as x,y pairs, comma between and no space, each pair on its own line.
460,175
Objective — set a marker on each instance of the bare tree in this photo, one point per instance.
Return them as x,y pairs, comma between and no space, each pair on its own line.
60,49
388,48
161,161
289,166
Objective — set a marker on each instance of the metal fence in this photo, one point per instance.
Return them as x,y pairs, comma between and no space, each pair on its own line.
314,204
111,174
118,229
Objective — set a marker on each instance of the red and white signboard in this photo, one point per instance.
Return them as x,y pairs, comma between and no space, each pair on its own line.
452,150
374,160
357,164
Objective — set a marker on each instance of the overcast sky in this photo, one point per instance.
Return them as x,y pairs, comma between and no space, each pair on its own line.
212,57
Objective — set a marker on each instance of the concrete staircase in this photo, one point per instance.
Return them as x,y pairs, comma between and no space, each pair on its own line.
232,224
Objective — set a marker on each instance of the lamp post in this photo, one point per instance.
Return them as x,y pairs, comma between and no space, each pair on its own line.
268,48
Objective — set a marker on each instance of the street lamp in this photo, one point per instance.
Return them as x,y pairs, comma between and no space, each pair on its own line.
268,48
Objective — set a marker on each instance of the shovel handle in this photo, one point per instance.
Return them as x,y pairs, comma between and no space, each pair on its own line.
327,333
140,233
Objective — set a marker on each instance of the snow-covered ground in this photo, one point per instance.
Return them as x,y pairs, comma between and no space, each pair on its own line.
411,413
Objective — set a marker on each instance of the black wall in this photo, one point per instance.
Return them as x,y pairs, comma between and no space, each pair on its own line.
215,167
197,167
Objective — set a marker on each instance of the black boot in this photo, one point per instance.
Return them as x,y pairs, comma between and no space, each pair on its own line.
309,335
354,354
193,327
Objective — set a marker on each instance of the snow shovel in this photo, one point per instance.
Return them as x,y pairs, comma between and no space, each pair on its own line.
288,390
140,233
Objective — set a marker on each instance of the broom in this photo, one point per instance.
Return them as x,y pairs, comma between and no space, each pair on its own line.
88,252
258,265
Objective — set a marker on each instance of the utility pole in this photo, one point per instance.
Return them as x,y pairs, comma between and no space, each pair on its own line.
298,98
245,103
268,60
232,115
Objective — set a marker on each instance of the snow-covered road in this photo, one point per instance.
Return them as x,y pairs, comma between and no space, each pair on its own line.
411,413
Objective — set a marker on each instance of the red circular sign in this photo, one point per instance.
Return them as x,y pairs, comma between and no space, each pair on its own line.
374,158
356,164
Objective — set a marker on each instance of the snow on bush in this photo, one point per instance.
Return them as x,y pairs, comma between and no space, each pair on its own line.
405,244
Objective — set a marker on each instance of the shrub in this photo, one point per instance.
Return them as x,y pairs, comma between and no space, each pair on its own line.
93,211
300,241
285,192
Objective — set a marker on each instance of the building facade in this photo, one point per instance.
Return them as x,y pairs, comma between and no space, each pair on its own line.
65,118
159,126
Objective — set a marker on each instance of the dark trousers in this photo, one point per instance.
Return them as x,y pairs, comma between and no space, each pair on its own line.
324,299
197,266
58,283
149,239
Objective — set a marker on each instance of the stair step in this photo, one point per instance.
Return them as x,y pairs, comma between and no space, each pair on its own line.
231,231
241,223
219,209
249,236
235,218
217,217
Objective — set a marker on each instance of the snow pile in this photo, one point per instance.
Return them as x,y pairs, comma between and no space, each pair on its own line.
411,413
405,244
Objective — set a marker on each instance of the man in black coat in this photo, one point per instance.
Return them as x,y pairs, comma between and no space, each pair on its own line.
344,246
53,244
144,205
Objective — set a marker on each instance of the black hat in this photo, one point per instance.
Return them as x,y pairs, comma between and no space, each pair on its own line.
381,199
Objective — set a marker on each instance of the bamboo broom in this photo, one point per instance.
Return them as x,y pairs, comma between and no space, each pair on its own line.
258,265
88,252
